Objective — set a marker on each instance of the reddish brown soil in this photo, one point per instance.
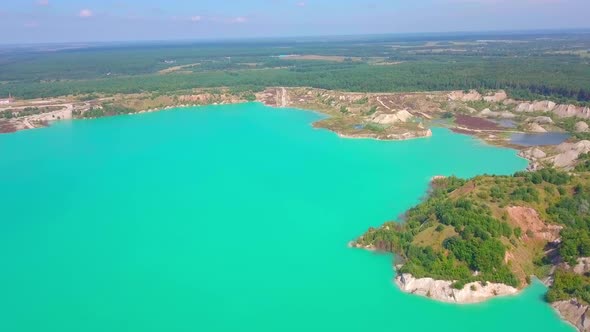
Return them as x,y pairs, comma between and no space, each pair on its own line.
474,123
529,222
6,127
462,131
464,190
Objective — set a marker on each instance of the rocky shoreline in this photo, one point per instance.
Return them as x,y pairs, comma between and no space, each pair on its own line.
382,116
399,125
574,313
442,290
390,137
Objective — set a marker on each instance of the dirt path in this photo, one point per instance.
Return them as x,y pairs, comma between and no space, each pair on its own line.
424,115
27,124
382,103
283,97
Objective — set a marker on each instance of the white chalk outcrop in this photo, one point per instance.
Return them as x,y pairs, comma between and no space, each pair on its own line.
496,97
536,128
533,154
581,127
391,118
537,106
569,153
472,95
568,111
441,290
562,111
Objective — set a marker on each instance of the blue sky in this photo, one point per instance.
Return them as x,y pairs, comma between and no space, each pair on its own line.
33,21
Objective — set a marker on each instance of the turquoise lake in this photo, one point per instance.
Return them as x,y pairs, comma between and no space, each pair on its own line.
224,218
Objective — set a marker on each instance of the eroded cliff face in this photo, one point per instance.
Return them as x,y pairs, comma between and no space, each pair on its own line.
574,312
568,111
564,156
442,290
562,110
471,95
568,154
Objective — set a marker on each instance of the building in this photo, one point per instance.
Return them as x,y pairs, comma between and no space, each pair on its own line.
6,101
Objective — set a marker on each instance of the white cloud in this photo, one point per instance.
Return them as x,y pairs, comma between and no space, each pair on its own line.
86,13
301,4
43,2
239,19
196,18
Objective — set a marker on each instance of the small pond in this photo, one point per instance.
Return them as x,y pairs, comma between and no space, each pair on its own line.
539,139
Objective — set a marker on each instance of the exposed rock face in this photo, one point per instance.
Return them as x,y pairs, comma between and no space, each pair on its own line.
582,127
568,111
404,115
536,128
565,155
400,116
583,265
569,153
564,111
441,290
533,154
544,106
472,95
487,112
531,224
538,106
385,118
524,107
574,312
496,97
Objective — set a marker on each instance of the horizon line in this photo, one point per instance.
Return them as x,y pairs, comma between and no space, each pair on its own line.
585,30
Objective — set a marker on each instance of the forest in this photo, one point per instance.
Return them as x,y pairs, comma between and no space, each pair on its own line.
474,246
534,66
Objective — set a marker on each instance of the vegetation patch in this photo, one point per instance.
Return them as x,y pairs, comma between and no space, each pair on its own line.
473,230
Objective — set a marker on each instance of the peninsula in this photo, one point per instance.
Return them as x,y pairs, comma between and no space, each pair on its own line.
474,239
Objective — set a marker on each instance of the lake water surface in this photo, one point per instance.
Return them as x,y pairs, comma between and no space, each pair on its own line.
539,139
224,218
